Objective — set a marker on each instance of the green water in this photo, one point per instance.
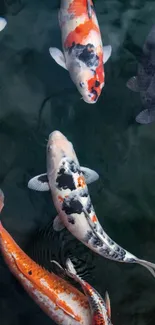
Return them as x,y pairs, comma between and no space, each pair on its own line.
38,97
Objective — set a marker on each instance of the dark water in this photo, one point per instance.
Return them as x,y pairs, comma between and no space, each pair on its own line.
37,97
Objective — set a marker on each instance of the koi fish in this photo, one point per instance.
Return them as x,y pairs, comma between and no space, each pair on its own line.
56,297
73,203
144,82
3,23
83,53
46,244
100,309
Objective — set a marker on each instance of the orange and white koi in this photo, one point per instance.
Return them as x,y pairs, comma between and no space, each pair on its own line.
83,52
56,297
100,309
71,198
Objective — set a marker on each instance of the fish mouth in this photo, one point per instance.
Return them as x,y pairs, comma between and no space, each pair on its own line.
89,101
55,134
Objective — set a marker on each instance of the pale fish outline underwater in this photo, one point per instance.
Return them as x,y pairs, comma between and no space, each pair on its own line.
60,300
144,82
66,181
83,53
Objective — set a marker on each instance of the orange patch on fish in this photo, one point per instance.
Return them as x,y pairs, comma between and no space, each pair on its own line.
80,33
60,198
78,7
81,181
41,280
94,218
99,76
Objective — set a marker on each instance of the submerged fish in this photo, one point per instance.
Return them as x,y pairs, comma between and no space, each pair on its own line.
144,82
47,244
100,309
3,23
56,297
83,53
72,201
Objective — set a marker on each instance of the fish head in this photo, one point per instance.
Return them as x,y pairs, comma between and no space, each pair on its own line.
89,85
58,147
87,72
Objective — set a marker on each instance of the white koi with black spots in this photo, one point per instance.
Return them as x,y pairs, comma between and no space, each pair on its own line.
67,183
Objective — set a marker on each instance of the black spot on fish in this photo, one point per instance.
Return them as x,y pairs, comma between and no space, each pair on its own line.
81,84
96,241
97,83
74,168
88,236
71,220
110,241
72,206
85,53
30,272
65,180
94,92
89,207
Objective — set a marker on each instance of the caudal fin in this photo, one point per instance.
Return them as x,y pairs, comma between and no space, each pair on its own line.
146,116
150,266
1,200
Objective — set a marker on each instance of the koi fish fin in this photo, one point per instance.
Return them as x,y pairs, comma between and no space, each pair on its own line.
1,200
107,302
71,272
39,183
62,305
70,267
146,116
106,53
150,266
58,56
3,23
132,84
89,8
89,175
57,224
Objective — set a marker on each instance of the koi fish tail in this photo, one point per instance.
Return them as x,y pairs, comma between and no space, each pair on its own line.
150,266
1,200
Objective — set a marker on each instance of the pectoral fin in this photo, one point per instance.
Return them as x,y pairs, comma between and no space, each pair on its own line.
106,53
58,56
89,175
146,116
3,23
39,183
67,309
57,224
132,84
107,302
1,200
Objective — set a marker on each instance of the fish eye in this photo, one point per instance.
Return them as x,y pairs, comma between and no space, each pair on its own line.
82,84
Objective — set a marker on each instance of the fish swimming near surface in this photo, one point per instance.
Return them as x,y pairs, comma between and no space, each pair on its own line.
100,309
3,23
66,181
144,82
83,53
60,300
